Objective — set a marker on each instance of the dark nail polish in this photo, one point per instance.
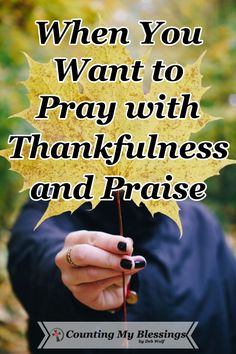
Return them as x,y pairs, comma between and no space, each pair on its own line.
122,246
139,264
126,264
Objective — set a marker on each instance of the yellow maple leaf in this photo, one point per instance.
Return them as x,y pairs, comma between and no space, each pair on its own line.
43,80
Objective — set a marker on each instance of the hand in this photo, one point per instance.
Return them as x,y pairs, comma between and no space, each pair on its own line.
101,258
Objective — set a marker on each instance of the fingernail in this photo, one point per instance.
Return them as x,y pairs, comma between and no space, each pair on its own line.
122,246
126,264
139,264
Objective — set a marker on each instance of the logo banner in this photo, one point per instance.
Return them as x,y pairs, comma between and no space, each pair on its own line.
114,335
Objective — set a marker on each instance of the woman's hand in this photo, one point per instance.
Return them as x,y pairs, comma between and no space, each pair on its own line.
101,259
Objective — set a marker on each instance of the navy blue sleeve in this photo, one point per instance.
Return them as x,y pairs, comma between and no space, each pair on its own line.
227,264
35,278
210,272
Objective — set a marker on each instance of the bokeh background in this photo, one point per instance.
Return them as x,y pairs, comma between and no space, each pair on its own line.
18,33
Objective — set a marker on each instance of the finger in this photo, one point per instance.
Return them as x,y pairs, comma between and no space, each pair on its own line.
112,243
82,275
97,297
87,275
118,281
115,282
87,255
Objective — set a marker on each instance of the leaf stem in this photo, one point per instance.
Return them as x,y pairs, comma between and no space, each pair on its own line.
121,232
